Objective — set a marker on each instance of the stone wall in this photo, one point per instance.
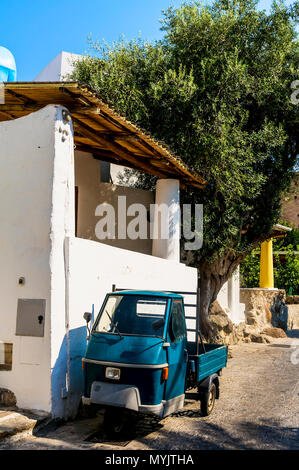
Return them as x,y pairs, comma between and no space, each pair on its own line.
263,306
292,302
293,317
266,318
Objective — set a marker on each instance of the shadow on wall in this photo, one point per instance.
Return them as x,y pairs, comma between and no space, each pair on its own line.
279,312
66,396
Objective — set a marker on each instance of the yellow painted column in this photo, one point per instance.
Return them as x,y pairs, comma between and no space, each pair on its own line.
266,265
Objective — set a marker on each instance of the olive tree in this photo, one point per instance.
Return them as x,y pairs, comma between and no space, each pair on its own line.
217,90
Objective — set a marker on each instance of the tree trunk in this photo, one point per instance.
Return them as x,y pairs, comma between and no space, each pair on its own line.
212,277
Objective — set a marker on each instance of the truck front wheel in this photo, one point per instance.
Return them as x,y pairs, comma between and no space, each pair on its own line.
207,400
119,423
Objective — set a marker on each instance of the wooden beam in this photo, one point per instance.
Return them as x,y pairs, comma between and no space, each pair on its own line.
83,110
23,108
11,116
77,96
105,156
102,154
138,146
111,135
134,134
22,98
116,148
47,85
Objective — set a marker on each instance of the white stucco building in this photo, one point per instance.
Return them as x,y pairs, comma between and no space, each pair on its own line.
54,139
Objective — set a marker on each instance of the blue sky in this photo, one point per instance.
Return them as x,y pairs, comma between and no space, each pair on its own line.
37,30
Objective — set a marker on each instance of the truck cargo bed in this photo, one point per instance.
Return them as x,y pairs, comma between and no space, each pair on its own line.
210,362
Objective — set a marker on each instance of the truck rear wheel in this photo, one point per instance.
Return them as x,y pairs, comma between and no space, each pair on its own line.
207,400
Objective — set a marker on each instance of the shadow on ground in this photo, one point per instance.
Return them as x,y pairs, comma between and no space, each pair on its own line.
205,435
201,434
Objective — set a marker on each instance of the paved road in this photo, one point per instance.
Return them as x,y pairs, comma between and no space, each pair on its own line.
258,409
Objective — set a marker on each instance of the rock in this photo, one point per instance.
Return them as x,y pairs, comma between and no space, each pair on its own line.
230,327
7,398
268,313
251,318
220,321
256,338
249,330
238,333
15,423
292,299
216,308
267,339
223,328
274,332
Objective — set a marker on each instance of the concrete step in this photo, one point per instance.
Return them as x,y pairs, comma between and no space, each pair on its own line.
16,422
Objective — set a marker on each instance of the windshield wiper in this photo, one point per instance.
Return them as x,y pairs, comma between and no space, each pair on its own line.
114,325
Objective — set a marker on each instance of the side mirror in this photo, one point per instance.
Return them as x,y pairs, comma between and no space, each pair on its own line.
87,316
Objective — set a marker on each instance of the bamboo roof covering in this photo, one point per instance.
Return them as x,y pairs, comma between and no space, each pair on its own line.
98,128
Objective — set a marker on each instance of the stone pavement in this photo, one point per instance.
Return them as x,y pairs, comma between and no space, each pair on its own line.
258,409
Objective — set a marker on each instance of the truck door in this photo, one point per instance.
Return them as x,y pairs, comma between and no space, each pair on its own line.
177,351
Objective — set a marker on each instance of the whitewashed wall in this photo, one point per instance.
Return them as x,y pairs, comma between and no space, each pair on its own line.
31,156
59,68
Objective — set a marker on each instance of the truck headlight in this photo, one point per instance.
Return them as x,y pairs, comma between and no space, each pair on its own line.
112,373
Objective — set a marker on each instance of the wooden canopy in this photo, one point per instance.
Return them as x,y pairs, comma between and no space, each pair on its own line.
98,129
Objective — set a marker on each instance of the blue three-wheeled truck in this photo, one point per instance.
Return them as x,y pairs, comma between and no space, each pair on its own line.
138,359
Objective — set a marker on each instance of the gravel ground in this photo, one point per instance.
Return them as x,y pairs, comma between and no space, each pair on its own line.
258,409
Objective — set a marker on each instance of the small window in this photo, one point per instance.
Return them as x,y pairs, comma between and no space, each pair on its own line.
152,308
177,322
5,356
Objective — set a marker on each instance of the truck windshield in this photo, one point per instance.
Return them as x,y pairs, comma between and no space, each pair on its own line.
132,315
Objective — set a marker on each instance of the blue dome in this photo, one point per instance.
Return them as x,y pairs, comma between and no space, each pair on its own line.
8,70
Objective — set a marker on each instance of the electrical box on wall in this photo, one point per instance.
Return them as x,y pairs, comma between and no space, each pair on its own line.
31,317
